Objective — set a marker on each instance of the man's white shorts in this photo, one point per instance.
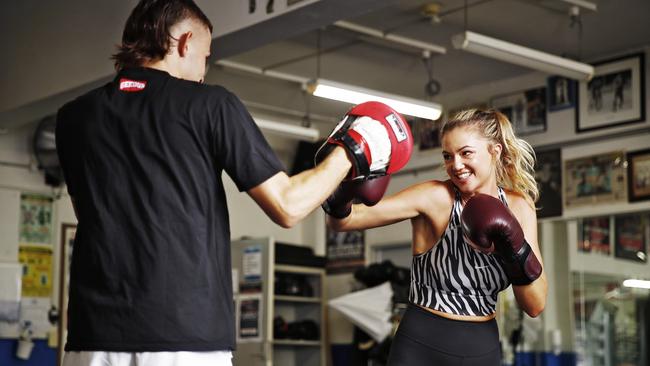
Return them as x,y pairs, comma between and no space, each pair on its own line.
216,358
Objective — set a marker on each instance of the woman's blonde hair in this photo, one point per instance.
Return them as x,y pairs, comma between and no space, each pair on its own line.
515,169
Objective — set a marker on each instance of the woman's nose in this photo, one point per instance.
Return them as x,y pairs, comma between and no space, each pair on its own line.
457,163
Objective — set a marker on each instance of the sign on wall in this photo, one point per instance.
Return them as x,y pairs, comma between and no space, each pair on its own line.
345,251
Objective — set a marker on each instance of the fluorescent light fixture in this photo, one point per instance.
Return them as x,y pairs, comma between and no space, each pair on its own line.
287,130
347,93
355,95
523,56
637,284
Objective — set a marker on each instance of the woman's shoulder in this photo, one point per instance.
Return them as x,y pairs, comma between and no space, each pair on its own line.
438,188
519,203
437,194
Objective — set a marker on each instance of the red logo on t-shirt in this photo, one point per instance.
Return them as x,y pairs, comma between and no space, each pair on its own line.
129,85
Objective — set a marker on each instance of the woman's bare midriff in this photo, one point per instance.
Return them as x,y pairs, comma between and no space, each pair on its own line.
466,318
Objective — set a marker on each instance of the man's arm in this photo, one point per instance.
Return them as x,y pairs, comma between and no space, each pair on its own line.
287,200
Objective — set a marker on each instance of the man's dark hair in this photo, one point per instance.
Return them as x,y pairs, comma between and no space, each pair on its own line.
147,34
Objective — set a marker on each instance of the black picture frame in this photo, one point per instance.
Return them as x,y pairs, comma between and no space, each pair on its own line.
561,93
595,235
630,237
548,175
68,232
427,133
345,251
526,110
595,179
602,101
638,175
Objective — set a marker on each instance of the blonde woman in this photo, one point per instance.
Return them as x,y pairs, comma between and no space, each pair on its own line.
473,234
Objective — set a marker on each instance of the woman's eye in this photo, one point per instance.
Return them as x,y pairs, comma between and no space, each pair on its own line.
445,157
467,153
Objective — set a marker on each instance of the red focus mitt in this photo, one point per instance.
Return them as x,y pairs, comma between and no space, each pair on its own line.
377,140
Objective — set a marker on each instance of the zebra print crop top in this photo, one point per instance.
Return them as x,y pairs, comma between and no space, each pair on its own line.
454,278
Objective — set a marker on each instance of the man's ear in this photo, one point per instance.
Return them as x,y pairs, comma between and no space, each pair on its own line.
183,43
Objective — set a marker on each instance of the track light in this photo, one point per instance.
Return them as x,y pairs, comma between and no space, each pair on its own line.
355,95
637,283
523,56
287,130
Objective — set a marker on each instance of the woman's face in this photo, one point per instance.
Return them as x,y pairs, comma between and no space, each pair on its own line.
468,160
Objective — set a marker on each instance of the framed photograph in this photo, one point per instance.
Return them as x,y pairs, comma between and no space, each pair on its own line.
548,174
631,237
526,110
638,175
249,318
345,251
614,96
427,133
595,179
561,93
594,236
68,232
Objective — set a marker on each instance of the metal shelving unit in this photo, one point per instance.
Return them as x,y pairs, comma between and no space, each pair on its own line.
253,258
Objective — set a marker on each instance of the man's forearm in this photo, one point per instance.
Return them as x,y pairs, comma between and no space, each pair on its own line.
310,189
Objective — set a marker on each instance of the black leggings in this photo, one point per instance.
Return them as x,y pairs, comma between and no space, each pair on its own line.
424,338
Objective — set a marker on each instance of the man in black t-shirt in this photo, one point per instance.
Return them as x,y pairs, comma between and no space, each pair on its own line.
143,158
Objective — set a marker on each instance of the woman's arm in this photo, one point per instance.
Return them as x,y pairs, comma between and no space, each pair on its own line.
531,298
406,204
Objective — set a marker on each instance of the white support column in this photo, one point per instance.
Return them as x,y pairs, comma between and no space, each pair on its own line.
557,315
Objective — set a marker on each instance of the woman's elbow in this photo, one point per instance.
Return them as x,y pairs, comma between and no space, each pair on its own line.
535,311
535,307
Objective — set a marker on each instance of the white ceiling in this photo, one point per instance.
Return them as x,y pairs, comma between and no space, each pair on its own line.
617,26
50,51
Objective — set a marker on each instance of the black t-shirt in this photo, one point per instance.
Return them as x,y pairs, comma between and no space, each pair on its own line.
142,158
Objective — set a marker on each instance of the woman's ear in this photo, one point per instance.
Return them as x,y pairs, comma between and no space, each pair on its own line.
496,149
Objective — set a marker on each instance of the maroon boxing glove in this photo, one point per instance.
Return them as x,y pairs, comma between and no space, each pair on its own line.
490,226
367,191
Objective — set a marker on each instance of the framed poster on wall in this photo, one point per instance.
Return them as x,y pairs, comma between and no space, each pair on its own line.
561,93
595,179
427,133
548,175
638,175
249,318
614,96
345,251
526,110
631,237
594,235
68,232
